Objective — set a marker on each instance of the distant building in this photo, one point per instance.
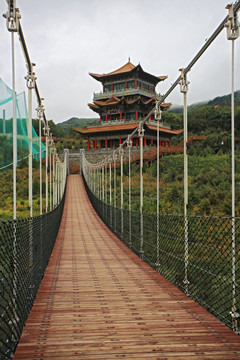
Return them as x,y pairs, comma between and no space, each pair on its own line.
128,95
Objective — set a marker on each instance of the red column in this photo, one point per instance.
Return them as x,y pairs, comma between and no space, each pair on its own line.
143,116
120,141
136,115
150,117
145,141
169,143
125,84
103,88
136,141
106,117
106,143
131,142
95,144
135,84
151,141
88,144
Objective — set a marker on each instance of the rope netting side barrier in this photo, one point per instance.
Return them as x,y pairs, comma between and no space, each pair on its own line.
209,261
25,248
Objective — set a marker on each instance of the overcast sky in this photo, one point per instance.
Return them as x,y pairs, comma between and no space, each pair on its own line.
69,39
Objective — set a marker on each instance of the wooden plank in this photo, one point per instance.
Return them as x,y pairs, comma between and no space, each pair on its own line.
98,300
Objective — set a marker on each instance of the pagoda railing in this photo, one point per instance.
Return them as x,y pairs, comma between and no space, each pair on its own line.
131,120
125,92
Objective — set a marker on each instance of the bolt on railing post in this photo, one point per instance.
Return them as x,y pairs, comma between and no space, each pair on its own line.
129,145
141,134
184,89
158,118
232,26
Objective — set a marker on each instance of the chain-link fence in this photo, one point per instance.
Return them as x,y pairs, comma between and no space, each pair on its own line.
196,254
25,249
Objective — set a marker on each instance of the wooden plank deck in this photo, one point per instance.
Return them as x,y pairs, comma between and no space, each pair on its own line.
98,300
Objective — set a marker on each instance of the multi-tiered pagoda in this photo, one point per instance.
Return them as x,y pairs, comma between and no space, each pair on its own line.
128,94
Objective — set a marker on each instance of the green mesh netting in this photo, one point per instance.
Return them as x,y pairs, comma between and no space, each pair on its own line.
6,126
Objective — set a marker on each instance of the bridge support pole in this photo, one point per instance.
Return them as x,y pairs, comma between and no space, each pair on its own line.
129,145
110,190
158,118
121,164
184,89
141,135
232,26
115,200
40,116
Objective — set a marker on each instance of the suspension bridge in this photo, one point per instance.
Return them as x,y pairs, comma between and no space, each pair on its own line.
89,279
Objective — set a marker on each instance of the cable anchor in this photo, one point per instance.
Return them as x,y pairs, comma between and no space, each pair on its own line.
12,17
232,23
183,82
157,111
31,78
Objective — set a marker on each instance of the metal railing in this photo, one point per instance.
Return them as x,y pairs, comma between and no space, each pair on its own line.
208,262
25,248
125,92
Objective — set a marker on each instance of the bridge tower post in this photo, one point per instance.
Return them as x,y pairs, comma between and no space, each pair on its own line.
232,26
184,89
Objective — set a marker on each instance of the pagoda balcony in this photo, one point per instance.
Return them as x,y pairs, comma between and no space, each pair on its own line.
125,92
129,121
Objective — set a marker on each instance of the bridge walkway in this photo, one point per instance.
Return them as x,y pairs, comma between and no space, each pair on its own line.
98,300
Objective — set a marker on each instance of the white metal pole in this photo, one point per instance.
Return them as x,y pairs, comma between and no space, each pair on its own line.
46,133
140,134
121,168
14,131
129,143
30,174
40,163
232,25
184,89
158,117
50,179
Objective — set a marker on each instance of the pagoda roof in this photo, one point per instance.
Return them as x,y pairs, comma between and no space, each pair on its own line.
127,69
112,128
97,104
